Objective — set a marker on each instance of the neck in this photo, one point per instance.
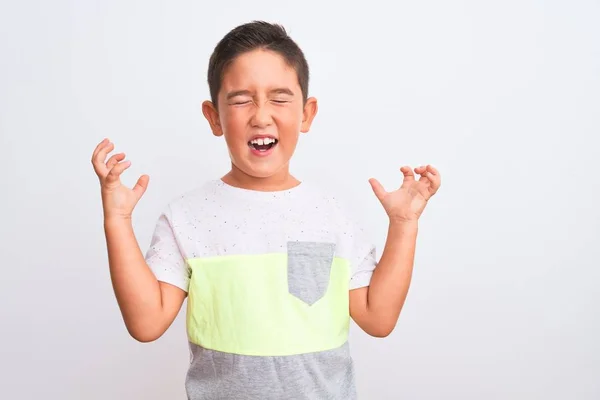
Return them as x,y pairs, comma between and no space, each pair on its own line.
282,180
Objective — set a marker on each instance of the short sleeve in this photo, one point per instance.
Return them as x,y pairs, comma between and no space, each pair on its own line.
164,256
364,260
356,247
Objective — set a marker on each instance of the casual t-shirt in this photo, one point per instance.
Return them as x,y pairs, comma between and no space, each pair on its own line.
268,276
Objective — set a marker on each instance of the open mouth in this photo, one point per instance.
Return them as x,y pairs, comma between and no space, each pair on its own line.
263,144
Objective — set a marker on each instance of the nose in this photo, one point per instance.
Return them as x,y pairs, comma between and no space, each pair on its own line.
261,117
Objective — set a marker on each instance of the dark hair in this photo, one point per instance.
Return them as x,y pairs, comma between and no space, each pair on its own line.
252,36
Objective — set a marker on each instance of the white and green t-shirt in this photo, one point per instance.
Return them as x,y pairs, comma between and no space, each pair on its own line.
267,276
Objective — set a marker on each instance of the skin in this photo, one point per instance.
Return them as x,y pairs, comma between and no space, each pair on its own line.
260,95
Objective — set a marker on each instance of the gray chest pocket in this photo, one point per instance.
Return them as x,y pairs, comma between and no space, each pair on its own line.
308,269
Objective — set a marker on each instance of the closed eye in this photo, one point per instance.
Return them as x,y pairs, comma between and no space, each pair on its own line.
241,103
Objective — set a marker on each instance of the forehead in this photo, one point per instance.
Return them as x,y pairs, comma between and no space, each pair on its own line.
259,69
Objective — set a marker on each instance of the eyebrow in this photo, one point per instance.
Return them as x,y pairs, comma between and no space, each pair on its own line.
236,93
282,91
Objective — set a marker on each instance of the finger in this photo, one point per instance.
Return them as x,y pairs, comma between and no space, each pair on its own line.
98,147
377,189
409,175
430,190
424,174
99,159
427,168
140,187
117,170
419,170
114,160
429,183
433,174
101,156
99,168
426,178
435,182
431,169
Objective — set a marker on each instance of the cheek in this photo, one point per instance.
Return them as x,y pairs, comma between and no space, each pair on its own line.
289,119
233,122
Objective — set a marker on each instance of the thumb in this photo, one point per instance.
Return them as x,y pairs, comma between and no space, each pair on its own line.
377,188
140,187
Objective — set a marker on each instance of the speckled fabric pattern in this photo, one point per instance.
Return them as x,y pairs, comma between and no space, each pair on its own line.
308,228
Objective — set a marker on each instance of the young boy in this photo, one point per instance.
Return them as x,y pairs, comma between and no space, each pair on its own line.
272,268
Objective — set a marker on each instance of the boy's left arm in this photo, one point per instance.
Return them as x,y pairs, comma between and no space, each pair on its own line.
376,308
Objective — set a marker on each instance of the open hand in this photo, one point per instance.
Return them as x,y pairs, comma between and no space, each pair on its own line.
117,200
408,202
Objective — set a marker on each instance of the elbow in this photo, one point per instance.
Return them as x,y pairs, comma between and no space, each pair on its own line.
381,332
144,338
380,329
375,325
144,335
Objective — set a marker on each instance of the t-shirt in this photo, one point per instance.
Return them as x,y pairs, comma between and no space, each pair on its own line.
267,276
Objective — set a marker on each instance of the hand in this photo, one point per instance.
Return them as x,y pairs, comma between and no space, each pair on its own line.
118,200
408,202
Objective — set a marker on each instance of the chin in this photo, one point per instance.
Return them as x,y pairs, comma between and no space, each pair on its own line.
261,171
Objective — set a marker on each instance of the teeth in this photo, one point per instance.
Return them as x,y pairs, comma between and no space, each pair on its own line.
262,141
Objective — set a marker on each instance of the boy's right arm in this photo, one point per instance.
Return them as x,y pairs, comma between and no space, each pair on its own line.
148,306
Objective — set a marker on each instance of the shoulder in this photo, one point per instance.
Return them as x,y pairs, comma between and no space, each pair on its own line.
353,240
316,194
196,197
347,212
331,200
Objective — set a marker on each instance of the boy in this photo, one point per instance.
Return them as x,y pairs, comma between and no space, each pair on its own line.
273,270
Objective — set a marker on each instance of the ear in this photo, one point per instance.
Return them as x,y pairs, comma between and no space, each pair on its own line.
212,116
309,113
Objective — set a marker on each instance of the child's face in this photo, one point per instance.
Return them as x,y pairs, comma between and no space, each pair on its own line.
260,113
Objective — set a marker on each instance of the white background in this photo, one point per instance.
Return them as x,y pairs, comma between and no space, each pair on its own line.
502,97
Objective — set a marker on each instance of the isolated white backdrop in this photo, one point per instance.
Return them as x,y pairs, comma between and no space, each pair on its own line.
503,97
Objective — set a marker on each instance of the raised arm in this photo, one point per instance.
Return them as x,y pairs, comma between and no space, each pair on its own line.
376,308
148,306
